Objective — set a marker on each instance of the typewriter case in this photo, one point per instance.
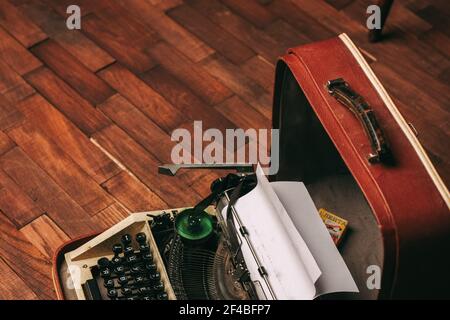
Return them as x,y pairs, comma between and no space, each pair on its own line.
396,204
369,169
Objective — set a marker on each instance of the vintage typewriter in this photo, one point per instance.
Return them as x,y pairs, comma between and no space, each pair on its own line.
186,253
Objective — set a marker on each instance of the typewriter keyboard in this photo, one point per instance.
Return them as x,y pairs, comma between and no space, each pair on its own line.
131,274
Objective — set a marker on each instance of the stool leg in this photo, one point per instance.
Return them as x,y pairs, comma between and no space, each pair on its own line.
385,7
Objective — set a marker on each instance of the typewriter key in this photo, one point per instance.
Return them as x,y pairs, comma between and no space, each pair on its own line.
132,259
127,292
119,269
105,272
109,283
139,280
112,293
147,256
128,250
162,296
158,287
154,276
123,280
103,262
145,290
147,298
117,249
144,248
126,239
136,269
141,238
150,267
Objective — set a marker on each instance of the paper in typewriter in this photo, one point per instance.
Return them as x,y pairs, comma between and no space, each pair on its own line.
294,269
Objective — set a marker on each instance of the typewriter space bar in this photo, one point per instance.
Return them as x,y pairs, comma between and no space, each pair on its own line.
91,290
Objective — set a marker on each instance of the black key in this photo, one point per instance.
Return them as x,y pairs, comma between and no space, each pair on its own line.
92,290
105,272
145,290
117,249
136,269
116,260
119,269
150,267
112,293
154,276
139,280
128,250
158,287
144,248
162,296
147,298
147,256
123,280
141,238
126,239
103,262
132,259
127,291
109,283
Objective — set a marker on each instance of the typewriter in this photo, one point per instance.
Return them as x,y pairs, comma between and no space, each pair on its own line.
198,253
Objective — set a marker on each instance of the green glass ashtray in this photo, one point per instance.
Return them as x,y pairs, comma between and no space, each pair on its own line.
194,225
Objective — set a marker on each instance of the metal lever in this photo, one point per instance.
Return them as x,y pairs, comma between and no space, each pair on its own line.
340,89
172,169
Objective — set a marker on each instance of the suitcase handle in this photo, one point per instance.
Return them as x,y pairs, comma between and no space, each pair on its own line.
340,89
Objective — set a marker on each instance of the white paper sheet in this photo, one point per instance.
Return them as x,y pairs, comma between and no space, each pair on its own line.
291,242
298,203
290,265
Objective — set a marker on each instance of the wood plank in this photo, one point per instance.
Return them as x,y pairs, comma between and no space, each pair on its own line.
165,115
45,235
211,33
180,96
12,86
68,137
111,216
68,101
22,257
244,87
67,67
241,113
84,49
134,30
75,42
133,194
9,114
104,33
18,25
255,38
144,166
72,179
15,55
203,84
15,203
6,143
14,286
251,10
168,29
66,213
155,140
165,5
261,71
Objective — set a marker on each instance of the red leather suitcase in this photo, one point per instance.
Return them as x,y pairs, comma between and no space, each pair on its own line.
343,136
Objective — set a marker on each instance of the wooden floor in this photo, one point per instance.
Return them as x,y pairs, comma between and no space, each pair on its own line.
80,138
